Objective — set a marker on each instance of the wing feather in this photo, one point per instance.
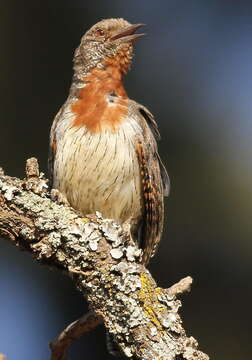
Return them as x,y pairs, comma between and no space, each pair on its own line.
52,148
155,184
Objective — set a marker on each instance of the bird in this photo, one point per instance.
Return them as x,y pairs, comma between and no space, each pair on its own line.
103,153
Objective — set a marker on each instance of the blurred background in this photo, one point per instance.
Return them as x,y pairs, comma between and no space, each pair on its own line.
194,72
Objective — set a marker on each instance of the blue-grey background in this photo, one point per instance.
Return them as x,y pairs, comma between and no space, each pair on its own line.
194,72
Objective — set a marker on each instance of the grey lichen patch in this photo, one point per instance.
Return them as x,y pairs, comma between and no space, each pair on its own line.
125,268
116,253
86,233
32,202
166,298
93,240
38,186
168,315
77,231
112,232
54,239
133,253
191,352
130,284
50,213
89,229
137,317
153,331
45,223
9,191
27,233
129,280
82,234
43,249
93,244
61,256
127,351
168,320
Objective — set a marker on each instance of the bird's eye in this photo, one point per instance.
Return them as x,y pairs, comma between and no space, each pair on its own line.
99,32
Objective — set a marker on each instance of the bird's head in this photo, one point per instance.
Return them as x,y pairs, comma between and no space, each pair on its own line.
110,41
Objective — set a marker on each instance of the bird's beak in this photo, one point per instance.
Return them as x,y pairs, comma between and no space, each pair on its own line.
128,34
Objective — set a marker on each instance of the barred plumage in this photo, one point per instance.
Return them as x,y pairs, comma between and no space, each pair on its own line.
103,151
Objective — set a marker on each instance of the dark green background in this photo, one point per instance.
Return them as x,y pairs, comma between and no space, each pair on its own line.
193,71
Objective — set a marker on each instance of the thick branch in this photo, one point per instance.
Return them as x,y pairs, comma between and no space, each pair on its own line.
105,265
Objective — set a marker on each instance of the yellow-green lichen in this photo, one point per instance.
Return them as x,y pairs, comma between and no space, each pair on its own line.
148,296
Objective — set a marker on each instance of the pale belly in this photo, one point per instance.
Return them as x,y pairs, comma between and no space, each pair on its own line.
100,172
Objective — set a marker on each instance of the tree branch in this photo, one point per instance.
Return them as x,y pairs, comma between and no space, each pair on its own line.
73,332
105,266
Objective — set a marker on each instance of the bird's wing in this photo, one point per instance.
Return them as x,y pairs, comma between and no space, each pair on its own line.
155,182
52,148
150,120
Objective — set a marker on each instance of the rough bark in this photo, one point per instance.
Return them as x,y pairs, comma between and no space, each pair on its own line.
104,264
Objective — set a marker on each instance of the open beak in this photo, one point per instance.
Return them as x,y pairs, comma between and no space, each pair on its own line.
128,34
